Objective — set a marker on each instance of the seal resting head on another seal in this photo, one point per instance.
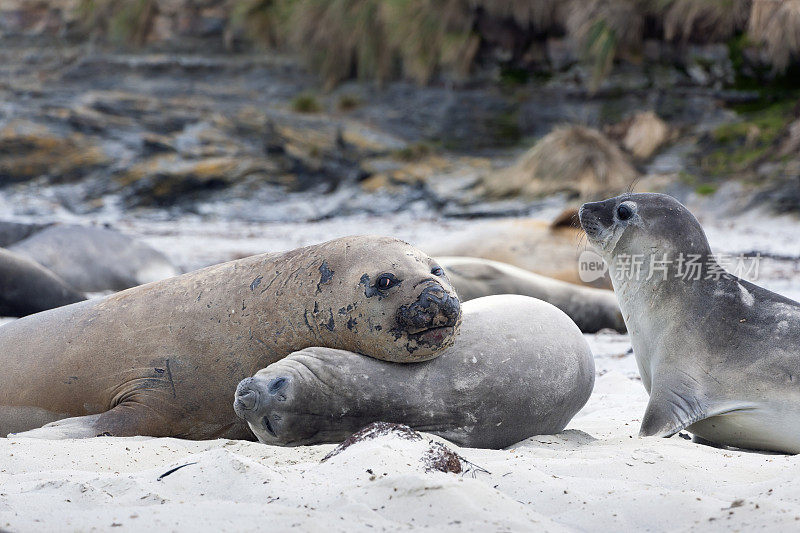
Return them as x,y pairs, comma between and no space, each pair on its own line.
520,367
163,359
719,355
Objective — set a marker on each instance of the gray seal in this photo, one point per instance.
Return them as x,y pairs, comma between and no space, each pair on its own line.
163,359
26,287
591,309
718,355
93,259
520,367
12,232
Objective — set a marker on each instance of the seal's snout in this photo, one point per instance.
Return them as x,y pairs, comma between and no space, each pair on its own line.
594,218
435,308
246,397
257,402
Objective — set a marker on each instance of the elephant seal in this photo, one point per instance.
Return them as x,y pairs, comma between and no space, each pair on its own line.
93,259
163,359
520,367
591,309
26,287
549,249
12,232
718,355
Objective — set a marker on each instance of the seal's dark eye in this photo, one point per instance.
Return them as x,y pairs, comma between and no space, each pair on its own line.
437,271
386,281
624,212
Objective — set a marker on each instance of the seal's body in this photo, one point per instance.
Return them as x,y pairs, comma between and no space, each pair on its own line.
549,249
719,355
26,287
520,367
163,359
92,259
591,309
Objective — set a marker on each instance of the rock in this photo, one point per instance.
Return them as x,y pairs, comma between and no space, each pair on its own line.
642,134
561,53
29,150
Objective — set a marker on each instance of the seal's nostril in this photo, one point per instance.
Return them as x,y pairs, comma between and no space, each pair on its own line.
247,399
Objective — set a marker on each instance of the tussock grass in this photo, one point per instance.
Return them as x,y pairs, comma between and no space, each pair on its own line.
576,160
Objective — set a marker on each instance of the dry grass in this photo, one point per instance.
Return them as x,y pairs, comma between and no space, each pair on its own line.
705,20
576,160
539,15
604,30
776,24
120,22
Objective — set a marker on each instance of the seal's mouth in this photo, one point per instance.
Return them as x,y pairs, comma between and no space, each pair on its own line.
265,423
435,336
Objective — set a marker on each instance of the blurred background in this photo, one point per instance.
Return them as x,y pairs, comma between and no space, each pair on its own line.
214,129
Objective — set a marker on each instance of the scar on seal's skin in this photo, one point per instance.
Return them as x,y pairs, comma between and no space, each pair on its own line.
325,275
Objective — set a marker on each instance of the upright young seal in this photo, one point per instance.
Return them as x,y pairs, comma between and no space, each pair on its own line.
92,259
26,287
719,356
520,367
163,359
591,309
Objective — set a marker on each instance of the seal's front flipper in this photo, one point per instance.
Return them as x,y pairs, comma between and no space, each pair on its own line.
79,427
124,420
670,411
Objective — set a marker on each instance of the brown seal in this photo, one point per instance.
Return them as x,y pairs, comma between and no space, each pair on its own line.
163,359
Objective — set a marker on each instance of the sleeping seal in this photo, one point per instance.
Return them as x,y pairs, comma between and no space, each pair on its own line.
719,356
163,359
520,367
26,287
93,259
591,309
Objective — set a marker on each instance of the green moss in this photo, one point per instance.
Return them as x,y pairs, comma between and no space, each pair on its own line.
514,76
506,128
705,189
306,103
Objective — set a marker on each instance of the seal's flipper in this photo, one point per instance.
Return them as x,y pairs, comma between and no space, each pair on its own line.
670,411
79,427
127,419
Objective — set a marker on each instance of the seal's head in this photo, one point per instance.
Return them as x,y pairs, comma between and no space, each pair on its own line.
313,396
643,223
381,297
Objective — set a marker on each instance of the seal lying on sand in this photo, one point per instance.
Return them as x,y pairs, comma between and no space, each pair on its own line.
163,359
92,259
11,232
549,249
591,309
719,356
520,367
26,287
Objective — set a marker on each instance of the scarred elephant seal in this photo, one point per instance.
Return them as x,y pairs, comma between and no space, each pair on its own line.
719,355
520,367
163,359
